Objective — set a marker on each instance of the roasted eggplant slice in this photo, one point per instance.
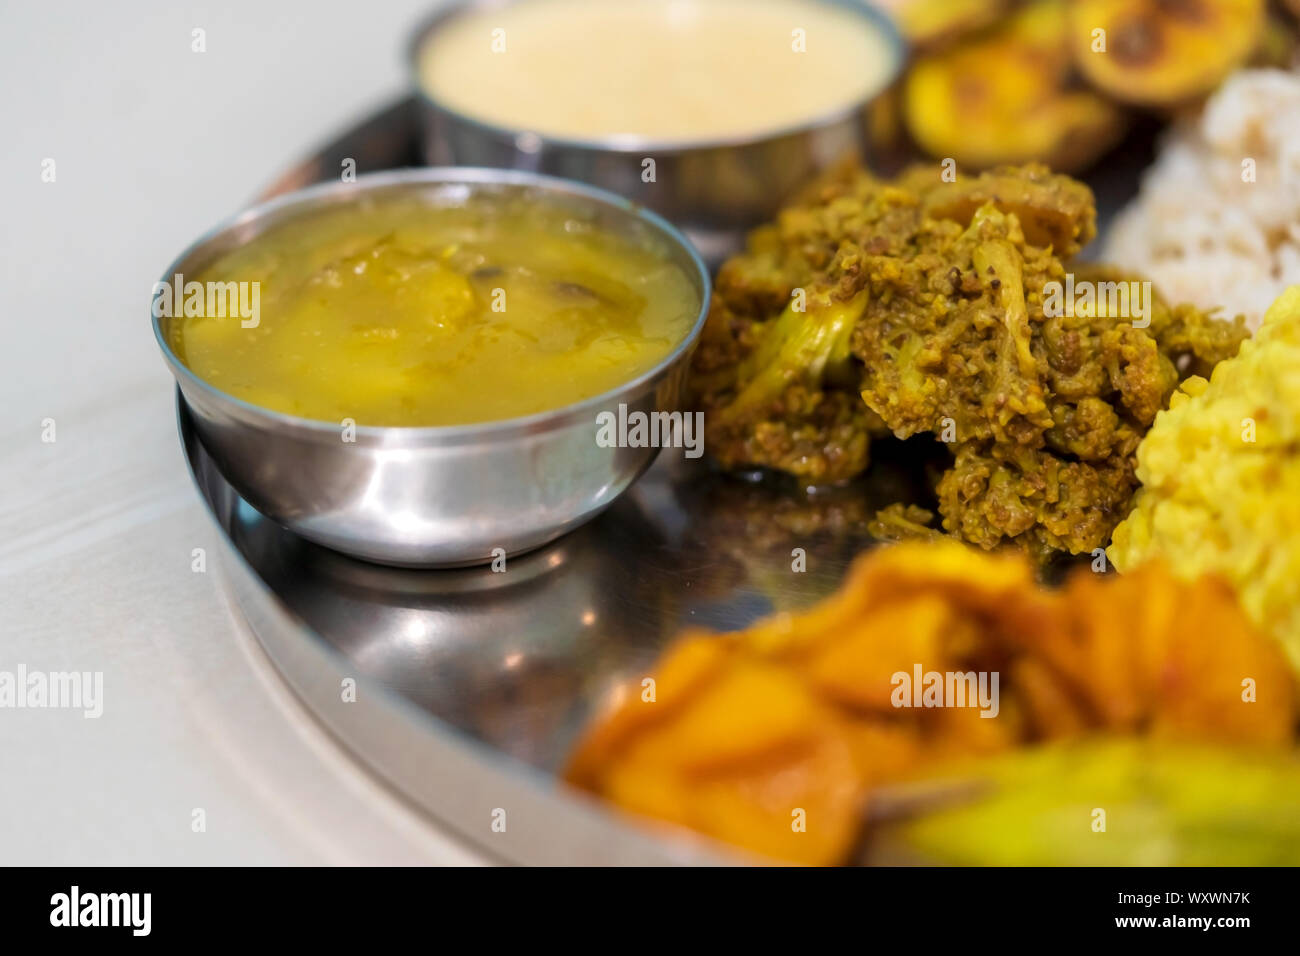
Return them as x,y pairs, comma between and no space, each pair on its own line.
1160,53
1005,96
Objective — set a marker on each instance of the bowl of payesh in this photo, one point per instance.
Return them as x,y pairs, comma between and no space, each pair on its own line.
711,112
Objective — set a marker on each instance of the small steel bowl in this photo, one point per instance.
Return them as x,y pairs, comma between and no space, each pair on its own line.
446,495
714,190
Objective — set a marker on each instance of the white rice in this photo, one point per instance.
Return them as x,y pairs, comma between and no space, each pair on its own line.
1201,233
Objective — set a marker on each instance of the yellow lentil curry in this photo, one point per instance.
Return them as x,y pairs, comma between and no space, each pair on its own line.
399,312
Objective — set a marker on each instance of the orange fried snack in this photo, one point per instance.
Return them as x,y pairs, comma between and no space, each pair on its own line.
772,738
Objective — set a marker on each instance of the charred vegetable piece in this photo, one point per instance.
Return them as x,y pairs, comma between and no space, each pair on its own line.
1005,97
1161,53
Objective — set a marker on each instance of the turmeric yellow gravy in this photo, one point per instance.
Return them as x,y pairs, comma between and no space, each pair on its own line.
395,311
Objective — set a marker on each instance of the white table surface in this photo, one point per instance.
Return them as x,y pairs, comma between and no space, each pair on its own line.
153,143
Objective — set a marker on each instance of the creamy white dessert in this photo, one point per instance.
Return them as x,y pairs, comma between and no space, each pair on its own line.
662,70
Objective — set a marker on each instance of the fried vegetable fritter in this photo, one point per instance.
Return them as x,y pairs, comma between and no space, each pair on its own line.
920,307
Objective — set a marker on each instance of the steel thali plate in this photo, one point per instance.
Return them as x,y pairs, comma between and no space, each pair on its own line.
472,685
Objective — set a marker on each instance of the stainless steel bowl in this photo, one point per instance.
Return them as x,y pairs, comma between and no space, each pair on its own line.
714,190
439,496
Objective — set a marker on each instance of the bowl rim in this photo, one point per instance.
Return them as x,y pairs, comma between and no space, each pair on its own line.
632,144
319,193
